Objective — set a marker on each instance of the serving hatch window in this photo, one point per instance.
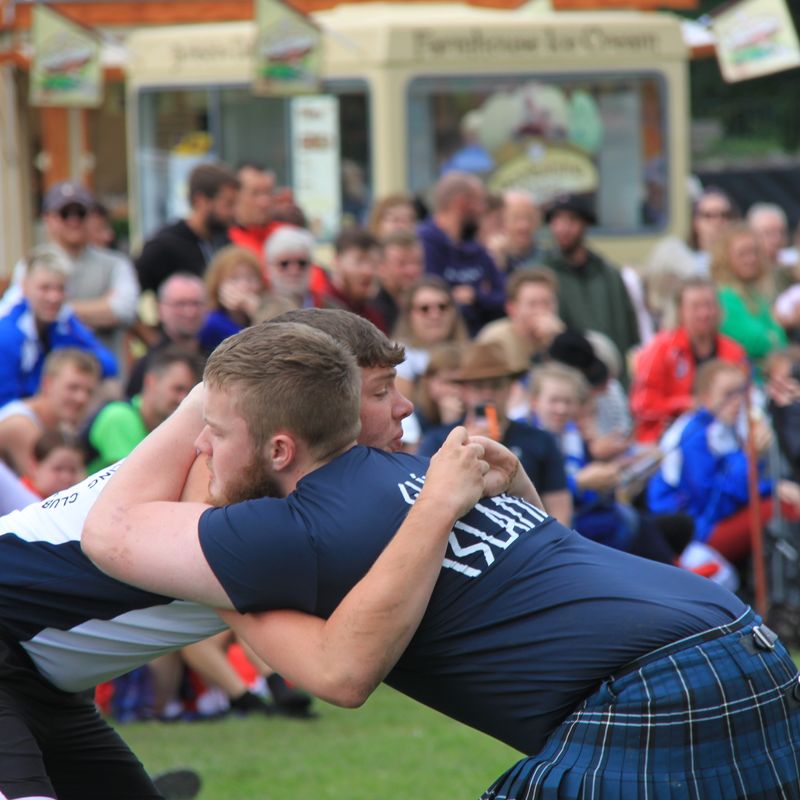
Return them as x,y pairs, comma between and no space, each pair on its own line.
600,135
179,128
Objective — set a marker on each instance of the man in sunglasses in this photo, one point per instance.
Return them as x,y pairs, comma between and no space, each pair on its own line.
102,288
288,254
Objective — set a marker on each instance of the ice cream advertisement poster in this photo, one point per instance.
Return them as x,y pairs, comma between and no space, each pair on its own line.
287,57
539,138
66,68
755,37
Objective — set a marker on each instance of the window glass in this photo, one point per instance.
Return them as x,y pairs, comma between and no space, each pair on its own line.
603,136
180,128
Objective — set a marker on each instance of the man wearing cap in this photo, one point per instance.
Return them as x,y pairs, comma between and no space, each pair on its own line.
591,293
102,288
487,376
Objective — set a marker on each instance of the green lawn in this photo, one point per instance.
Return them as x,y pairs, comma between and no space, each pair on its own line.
391,748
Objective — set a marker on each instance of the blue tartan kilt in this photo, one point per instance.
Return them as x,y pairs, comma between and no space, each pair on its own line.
715,716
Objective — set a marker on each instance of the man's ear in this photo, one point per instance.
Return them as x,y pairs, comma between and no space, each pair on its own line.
281,451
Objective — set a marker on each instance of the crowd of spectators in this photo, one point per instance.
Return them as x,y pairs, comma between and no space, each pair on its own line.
629,395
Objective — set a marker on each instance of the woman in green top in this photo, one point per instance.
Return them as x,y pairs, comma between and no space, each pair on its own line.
739,269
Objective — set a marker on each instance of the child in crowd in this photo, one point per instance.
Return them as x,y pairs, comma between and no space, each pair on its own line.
561,401
705,470
58,464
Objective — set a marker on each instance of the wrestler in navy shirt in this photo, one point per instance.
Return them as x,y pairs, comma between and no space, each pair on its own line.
526,619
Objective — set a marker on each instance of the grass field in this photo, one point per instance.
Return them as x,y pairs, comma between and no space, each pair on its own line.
392,749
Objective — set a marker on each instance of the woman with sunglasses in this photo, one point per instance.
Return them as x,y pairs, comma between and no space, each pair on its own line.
741,273
430,318
712,213
236,291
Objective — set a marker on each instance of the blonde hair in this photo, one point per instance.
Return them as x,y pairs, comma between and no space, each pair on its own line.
559,372
707,373
223,265
721,272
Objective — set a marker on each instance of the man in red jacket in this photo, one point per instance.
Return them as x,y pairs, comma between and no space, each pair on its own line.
665,368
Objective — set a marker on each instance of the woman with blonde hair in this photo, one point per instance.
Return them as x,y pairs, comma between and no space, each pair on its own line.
430,317
740,271
236,289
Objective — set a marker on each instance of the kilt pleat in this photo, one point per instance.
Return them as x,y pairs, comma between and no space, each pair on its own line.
706,719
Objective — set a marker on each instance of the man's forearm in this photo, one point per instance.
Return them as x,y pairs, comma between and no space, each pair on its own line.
132,534
344,658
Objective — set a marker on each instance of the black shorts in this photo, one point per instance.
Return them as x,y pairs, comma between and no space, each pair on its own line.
56,744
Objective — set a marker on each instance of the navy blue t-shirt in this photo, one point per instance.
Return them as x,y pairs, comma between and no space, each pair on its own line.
526,618
537,450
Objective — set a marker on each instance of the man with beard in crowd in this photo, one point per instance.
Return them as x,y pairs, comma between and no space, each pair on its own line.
452,251
189,244
591,293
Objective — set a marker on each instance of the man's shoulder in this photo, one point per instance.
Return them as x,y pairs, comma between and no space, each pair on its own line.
174,234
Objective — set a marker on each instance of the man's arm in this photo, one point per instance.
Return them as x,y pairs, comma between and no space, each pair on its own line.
138,533
343,659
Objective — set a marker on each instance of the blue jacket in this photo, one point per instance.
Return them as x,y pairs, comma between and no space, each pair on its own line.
704,472
467,263
23,352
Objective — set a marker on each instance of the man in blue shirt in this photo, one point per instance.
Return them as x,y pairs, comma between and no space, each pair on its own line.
452,251
40,323
592,661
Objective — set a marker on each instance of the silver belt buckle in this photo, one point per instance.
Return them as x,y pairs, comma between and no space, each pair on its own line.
764,638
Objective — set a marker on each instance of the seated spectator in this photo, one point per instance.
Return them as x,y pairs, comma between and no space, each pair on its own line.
739,270
768,221
517,247
782,386
664,369
100,231
235,289
591,292
102,288
182,307
353,279
452,251
429,318
437,397
560,399
57,464
400,266
120,425
669,265
532,321
289,255
607,429
704,472
486,377
253,223
41,322
490,228
712,214
393,213
188,245
69,380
